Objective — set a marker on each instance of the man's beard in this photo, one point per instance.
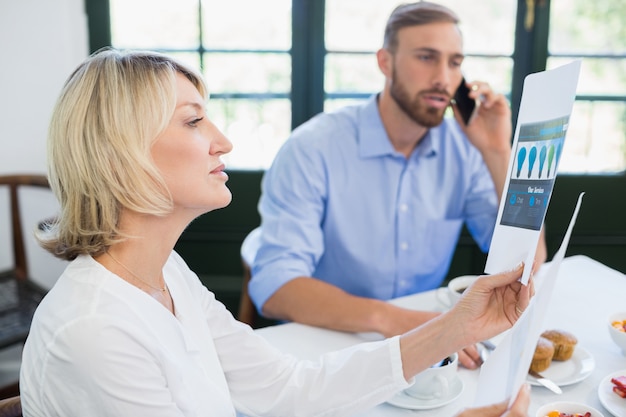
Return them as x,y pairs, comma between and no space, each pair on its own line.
420,114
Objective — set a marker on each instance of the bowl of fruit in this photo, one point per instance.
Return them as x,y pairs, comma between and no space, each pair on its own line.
567,409
617,329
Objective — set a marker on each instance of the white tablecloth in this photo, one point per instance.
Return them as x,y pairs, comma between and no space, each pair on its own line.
586,293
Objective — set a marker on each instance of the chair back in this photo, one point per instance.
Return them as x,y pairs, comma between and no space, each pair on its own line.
11,407
19,295
247,311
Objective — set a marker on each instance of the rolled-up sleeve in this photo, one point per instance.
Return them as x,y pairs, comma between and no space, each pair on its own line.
292,207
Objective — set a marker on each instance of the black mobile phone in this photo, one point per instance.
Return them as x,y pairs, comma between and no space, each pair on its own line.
465,104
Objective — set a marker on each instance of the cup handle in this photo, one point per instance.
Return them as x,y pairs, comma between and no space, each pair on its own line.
443,298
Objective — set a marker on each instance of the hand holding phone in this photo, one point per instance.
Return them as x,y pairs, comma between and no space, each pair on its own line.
467,106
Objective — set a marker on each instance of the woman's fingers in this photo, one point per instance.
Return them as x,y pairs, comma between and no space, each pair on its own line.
493,410
518,409
470,358
504,278
521,403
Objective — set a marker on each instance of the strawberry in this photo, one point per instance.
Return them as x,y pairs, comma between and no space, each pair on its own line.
620,392
620,382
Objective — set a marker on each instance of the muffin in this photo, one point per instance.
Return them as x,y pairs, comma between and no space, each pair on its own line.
564,343
542,358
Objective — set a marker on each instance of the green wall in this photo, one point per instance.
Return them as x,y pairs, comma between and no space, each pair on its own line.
211,244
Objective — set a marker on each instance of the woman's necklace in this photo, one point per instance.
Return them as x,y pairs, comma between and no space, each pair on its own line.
164,289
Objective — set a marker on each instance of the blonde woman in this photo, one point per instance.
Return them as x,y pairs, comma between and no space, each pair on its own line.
129,330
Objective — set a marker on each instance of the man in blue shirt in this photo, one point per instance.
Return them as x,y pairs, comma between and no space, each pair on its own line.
367,203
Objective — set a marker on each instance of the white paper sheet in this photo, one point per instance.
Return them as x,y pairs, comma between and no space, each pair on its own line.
545,108
504,372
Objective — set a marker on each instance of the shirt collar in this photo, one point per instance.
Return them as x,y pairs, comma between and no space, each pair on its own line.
427,146
371,130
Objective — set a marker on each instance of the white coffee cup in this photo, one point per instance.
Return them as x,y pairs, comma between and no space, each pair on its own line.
435,382
451,293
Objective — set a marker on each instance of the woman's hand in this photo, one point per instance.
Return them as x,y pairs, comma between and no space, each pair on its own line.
518,409
492,304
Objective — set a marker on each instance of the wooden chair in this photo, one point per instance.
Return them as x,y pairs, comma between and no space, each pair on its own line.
11,407
19,295
247,311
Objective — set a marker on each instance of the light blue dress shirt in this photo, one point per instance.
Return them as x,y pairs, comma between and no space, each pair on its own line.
341,205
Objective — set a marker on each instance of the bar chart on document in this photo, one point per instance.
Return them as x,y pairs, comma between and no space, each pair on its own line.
536,158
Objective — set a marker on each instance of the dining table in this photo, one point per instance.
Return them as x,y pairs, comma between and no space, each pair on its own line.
586,293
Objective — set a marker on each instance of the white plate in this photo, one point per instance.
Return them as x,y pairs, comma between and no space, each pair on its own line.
610,400
403,400
568,372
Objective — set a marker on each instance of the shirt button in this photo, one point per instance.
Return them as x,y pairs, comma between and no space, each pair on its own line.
404,246
404,208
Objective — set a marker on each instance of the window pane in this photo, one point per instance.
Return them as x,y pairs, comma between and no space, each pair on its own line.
256,128
154,24
596,139
488,26
598,76
587,26
246,24
188,58
496,71
248,72
354,25
352,73
357,26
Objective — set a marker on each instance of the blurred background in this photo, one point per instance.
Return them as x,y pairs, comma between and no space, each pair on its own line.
272,64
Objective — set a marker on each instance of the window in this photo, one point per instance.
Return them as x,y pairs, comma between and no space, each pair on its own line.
267,74
594,32
354,33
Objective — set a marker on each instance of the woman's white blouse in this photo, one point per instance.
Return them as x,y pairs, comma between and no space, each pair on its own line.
99,346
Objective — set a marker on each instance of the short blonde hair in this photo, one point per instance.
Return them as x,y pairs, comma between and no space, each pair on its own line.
110,111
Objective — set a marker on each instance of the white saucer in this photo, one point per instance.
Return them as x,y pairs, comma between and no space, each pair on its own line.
568,372
403,400
615,404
